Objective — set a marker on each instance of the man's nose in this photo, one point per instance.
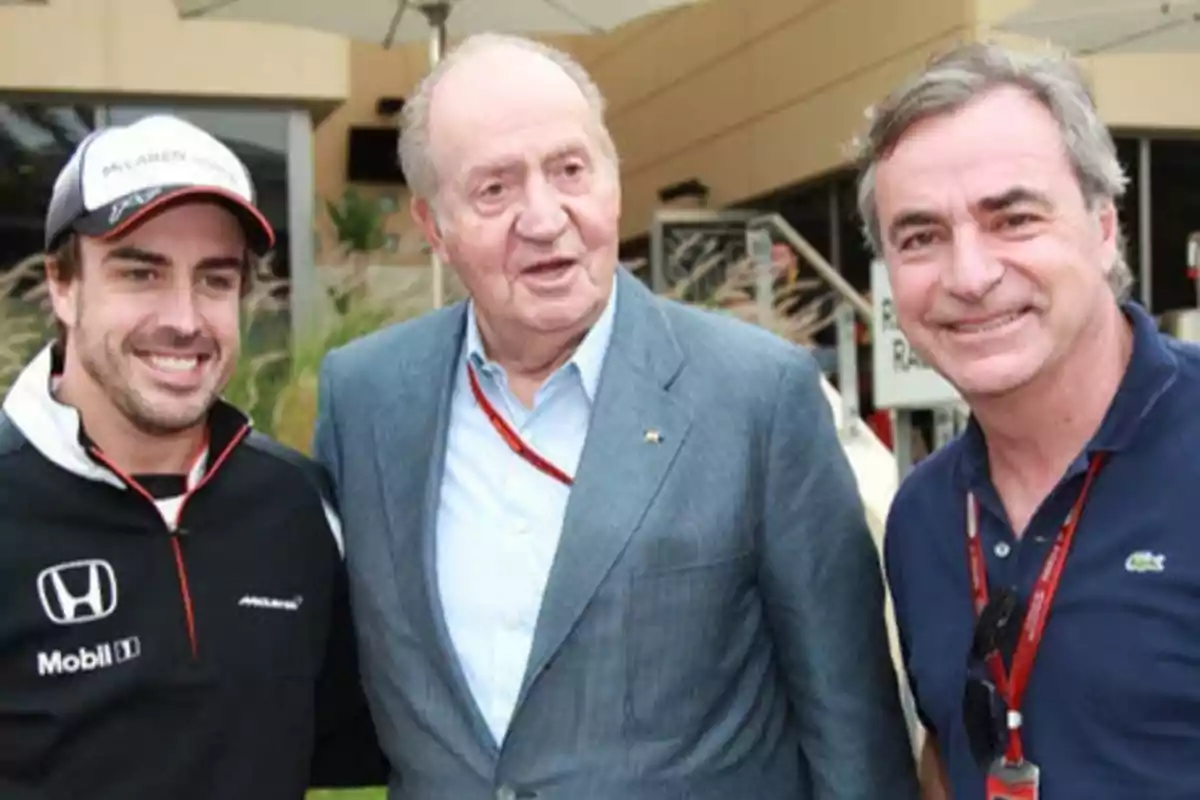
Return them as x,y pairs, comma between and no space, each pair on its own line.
179,310
543,218
971,271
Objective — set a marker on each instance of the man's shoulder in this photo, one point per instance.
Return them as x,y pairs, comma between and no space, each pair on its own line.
925,496
293,464
394,342
11,438
735,346
1187,356
298,476
931,475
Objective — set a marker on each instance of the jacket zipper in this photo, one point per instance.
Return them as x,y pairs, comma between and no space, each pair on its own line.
176,541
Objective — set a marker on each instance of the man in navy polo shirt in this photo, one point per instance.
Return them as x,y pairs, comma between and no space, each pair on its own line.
1045,566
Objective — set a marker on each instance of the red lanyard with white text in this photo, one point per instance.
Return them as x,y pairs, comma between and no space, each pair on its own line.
511,437
1012,685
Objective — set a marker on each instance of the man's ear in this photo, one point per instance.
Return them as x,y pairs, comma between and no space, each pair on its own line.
63,291
426,217
1109,225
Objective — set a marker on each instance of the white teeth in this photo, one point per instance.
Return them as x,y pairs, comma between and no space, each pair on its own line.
174,363
991,324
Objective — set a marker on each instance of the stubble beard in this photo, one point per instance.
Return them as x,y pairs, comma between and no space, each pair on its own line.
144,414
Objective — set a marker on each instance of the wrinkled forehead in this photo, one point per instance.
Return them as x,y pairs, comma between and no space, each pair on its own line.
999,142
504,99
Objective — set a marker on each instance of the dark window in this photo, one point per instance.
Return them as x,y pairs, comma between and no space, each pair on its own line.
1175,213
1129,209
35,142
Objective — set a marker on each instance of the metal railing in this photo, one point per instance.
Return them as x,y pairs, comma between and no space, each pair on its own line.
850,305
703,246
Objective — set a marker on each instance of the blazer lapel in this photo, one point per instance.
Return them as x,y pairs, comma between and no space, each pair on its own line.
635,432
411,451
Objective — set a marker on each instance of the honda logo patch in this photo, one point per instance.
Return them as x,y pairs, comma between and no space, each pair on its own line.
78,591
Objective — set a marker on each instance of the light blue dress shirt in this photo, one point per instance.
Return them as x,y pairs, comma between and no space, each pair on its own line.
499,517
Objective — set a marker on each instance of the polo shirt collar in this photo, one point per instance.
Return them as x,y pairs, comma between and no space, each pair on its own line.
587,360
1152,370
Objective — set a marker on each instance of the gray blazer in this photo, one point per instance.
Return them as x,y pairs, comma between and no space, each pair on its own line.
713,624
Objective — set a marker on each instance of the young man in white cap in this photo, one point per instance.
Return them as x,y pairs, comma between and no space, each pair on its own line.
172,601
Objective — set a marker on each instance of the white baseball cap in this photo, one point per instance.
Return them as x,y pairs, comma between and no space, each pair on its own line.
118,176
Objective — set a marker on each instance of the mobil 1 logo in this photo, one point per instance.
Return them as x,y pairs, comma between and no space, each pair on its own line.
89,658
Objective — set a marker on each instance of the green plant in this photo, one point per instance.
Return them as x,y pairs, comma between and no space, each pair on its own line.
276,380
25,321
358,221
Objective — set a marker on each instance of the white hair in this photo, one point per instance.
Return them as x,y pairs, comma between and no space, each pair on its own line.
415,156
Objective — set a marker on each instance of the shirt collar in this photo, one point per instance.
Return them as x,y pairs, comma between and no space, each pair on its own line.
1152,370
587,360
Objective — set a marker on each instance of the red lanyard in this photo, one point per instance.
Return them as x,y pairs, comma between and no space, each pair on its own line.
511,437
1012,686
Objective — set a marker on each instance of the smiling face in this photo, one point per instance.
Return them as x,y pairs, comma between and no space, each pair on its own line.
528,203
997,263
152,318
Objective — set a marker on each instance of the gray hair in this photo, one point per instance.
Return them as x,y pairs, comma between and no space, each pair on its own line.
953,80
415,157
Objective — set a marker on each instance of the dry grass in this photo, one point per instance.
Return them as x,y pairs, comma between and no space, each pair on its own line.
24,316
799,309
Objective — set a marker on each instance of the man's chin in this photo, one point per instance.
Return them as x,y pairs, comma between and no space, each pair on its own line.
992,378
159,415
565,314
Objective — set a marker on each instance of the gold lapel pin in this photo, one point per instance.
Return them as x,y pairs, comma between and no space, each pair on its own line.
653,436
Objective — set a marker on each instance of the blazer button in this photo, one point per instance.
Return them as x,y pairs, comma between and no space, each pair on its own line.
506,793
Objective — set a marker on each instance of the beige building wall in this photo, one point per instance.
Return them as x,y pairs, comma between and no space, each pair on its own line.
1156,91
746,95
752,95
373,73
142,48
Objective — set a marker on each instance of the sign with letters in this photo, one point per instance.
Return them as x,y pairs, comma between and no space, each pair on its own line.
901,379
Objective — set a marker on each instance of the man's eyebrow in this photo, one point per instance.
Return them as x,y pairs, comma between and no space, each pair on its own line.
494,167
568,150
989,205
911,219
152,259
222,262
137,254
1014,196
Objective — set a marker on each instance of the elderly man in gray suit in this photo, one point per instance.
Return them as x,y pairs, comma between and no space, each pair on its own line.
601,545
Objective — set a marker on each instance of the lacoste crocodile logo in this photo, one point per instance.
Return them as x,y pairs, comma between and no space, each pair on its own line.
1145,561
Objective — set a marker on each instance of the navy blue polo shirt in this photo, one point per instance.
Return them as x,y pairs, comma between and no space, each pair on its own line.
1113,704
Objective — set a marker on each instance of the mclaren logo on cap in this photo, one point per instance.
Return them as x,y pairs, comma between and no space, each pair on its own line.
224,175
127,161
145,159
120,173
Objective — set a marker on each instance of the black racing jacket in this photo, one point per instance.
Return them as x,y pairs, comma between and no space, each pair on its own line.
188,648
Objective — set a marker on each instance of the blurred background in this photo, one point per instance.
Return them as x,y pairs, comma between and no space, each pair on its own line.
732,118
